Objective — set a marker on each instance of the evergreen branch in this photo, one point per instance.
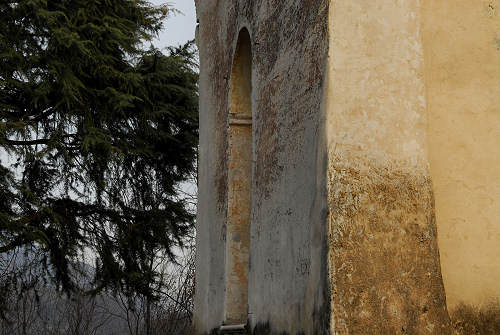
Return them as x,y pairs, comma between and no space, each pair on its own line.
16,244
27,142
39,141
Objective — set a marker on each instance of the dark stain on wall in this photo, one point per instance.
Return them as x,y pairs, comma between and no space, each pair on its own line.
473,320
386,274
290,47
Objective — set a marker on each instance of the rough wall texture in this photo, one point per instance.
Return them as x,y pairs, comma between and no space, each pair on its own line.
239,184
462,57
288,279
384,259
238,223
351,102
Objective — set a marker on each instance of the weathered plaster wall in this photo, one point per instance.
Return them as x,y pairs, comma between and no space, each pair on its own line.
210,235
384,259
288,284
408,82
462,56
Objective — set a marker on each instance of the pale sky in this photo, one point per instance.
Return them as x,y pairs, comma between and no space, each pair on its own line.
179,28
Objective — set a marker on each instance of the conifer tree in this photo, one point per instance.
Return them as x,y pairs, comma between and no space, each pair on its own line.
102,132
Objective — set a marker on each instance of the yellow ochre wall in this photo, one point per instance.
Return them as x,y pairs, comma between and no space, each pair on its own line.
461,41
383,259
412,113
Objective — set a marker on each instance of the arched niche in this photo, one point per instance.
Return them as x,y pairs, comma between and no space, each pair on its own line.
239,183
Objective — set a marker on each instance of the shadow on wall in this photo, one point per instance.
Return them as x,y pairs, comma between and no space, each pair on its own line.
470,320
264,329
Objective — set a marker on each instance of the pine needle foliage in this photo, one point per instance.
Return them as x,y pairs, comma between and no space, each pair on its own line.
102,132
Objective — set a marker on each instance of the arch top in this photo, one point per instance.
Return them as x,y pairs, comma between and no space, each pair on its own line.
240,99
244,35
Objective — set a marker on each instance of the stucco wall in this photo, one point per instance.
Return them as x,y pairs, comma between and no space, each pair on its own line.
384,259
462,58
382,114
288,287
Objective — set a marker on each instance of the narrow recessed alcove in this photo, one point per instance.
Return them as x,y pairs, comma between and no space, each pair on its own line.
239,198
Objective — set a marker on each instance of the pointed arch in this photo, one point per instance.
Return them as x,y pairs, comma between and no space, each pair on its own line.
239,183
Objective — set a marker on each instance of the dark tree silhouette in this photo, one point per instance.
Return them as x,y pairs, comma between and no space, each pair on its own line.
102,133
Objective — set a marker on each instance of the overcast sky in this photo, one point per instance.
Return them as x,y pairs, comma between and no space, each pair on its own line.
179,28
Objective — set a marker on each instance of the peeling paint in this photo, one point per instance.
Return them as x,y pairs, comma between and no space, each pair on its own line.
384,258
384,261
